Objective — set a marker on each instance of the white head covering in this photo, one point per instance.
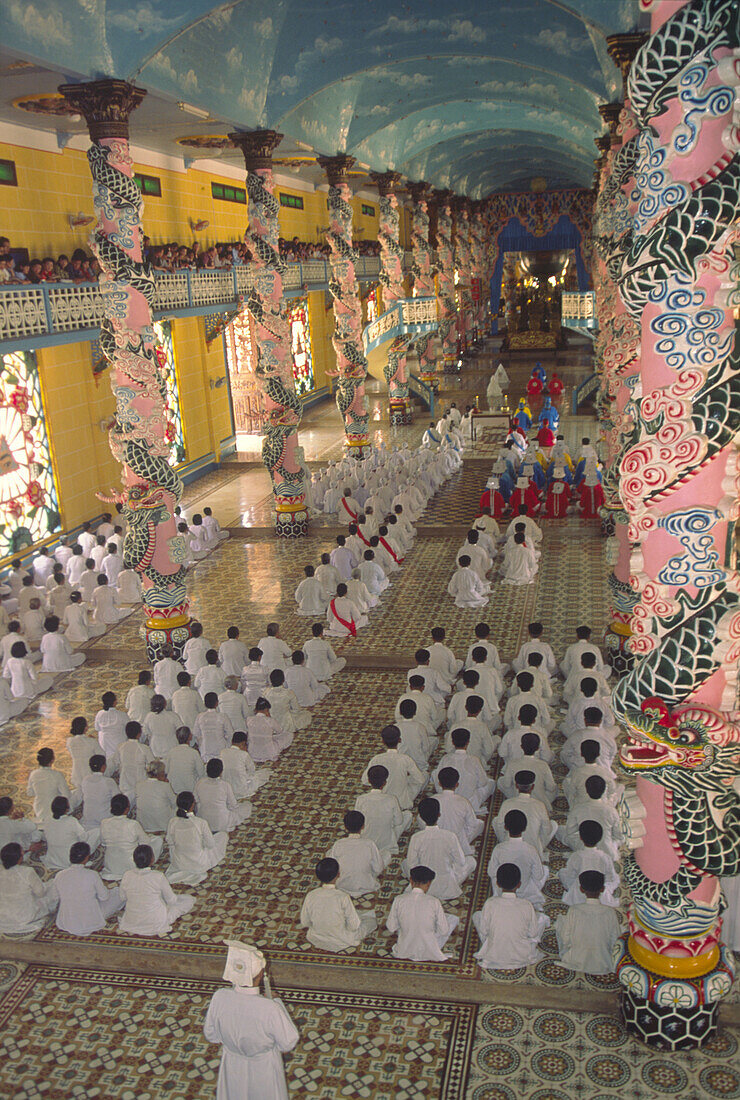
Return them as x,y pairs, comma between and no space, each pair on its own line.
243,963
559,473
522,482
592,476
499,467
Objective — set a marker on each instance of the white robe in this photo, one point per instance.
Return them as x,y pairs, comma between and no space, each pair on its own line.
194,654
275,653
138,702
474,783
155,804
373,577
539,831
440,850
81,748
331,920
241,774
384,820
360,863
422,925
404,778
218,806
534,874
310,597
184,766
233,655
60,834
25,682
152,906
304,685
187,704
265,738
340,607
120,835
255,680
25,901
509,930
85,902
97,791
253,1031
44,785
519,565
285,710
589,859
194,849
105,611
467,588
586,935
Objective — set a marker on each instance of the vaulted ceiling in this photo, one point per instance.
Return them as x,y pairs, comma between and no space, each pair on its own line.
476,96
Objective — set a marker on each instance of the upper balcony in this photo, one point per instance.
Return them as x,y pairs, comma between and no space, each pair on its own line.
60,313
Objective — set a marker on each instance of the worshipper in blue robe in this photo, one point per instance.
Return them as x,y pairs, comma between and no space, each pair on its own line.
523,416
540,372
566,475
549,415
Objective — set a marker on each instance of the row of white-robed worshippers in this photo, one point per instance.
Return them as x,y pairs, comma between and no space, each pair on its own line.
63,598
486,553
467,697
176,764
380,499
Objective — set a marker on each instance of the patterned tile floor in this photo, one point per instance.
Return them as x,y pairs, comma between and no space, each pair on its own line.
351,1045
249,583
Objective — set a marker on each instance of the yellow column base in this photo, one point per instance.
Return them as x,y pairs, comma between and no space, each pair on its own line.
167,624
668,966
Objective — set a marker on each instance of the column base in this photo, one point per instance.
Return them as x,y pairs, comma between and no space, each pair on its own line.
159,632
450,364
400,411
357,446
665,1027
291,525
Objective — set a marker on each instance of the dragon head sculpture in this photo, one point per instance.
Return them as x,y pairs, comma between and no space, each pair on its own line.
692,746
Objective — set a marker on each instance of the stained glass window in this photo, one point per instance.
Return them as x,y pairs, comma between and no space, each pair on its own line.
29,507
300,343
166,359
246,397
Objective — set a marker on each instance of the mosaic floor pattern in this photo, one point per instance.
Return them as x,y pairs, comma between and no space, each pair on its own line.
526,1054
128,1038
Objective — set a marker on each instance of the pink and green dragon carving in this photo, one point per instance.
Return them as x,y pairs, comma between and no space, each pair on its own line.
679,487
391,279
281,454
141,425
446,279
423,268
351,368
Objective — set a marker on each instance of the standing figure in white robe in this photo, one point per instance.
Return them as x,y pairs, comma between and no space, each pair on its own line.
86,904
329,915
152,906
194,849
359,859
422,925
310,596
466,587
508,926
254,1031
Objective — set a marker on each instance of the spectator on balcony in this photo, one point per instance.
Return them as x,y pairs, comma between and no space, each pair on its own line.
34,274
6,275
62,267
79,271
48,274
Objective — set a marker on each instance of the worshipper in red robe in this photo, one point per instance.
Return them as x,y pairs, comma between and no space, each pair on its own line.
556,502
494,500
525,495
556,386
592,495
534,386
546,436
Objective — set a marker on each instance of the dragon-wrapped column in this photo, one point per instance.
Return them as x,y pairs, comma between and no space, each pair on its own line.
139,437
446,282
281,454
464,265
679,487
423,269
351,369
391,279
479,273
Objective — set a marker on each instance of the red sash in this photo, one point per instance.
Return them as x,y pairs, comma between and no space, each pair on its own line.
362,538
349,510
387,547
350,626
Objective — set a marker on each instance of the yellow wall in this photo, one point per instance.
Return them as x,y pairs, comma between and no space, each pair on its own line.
35,215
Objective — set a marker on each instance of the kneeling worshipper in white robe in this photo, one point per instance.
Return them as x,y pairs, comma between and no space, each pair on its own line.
310,596
25,900
61,831
265,738
194,849
440,850
358,592
372,575
216,802
284,706
76,620
152,906
404,778
422,925
25,682
588,932
344,617
155,799
591,858
519,564
254,1030
466,587
121,835
329,915
359,859
57,653
321,659
385,821
518,851
105,610
302,682
508,926
85,902
239,770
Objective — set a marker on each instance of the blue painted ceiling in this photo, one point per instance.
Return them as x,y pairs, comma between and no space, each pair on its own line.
473,96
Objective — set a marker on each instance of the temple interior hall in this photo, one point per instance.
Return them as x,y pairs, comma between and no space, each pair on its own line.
273,277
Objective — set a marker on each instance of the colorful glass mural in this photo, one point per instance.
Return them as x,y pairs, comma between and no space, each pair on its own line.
29,508
241,360
166,360
300,345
